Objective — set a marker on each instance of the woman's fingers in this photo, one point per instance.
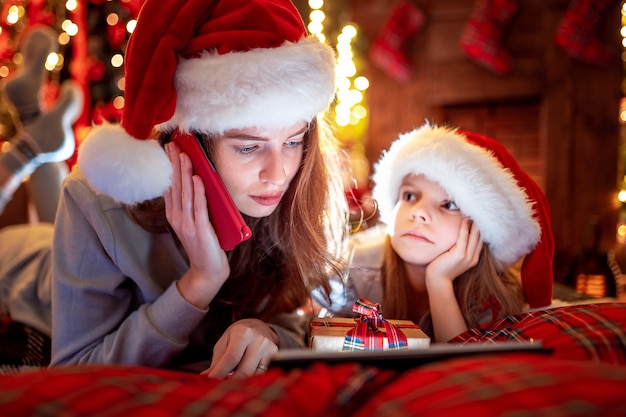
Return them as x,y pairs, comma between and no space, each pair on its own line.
185,201
245,349
173,152
200,207
186,194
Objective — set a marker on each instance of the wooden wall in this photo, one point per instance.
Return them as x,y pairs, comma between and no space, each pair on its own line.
558,116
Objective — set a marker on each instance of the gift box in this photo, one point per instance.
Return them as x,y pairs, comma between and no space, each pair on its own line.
329,334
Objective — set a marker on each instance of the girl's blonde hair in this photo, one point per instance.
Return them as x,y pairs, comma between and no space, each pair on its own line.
478,288
291,251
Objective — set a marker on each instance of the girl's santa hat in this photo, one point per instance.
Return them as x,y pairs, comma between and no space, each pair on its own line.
489,187
207,66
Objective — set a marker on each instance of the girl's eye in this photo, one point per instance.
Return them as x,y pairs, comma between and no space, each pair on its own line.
450,205
408,196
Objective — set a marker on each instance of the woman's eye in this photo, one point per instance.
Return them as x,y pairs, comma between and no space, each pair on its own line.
451,205
294,143
246,149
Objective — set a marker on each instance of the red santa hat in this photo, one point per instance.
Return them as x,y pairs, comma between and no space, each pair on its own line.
489,186
207,66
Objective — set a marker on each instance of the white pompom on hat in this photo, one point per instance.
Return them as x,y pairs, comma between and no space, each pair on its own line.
486,182
207,66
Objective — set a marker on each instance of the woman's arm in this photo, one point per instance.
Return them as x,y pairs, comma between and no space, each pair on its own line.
108,304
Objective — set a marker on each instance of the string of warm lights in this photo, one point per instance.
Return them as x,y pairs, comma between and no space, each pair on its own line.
349,105
14,18
349,108
350,111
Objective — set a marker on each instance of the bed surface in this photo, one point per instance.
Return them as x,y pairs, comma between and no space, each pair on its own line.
583,375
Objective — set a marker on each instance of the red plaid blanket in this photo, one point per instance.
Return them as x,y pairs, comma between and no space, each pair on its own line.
496,385
586,376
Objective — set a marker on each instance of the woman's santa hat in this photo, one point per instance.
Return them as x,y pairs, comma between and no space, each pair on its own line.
207,66
489,187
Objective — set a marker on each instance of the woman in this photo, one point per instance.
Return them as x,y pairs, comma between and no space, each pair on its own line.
138,273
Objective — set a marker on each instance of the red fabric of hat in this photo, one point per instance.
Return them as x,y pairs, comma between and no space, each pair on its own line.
168,29
206,66
537,273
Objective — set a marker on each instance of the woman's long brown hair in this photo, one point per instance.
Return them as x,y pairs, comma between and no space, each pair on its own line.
291,251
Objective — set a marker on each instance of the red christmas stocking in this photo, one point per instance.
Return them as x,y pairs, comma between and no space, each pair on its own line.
575,32
483,34
390,48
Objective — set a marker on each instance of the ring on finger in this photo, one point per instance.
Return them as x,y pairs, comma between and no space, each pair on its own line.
261,367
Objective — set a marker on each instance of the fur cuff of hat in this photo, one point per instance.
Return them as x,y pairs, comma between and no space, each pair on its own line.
122,167
265,88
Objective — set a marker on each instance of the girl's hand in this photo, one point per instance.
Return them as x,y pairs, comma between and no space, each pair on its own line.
463,255
245,349
445,311
186,211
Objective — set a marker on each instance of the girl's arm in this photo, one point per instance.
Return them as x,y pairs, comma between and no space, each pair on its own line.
446,314
445,311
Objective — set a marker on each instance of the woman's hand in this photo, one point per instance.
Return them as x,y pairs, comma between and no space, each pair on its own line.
245,349
463,255
186,211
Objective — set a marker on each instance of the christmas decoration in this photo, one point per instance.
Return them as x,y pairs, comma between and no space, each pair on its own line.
23,89
483,34
90,33
42,135
576,32
390,49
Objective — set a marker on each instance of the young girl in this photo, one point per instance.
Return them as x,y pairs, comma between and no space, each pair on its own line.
138,275
459,214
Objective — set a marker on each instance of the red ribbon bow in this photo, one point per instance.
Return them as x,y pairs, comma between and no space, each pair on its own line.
367,334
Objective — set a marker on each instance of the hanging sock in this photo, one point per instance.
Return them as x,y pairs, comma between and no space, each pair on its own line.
483,34
575,33
390,50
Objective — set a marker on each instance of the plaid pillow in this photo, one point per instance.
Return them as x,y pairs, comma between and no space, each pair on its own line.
580,332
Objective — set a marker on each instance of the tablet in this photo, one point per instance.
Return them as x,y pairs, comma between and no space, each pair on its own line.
401,359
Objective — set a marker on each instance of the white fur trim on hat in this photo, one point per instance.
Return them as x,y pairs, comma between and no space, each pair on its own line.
474,179
263,87
127,169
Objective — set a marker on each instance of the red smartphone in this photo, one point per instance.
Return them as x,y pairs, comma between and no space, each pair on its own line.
229,226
